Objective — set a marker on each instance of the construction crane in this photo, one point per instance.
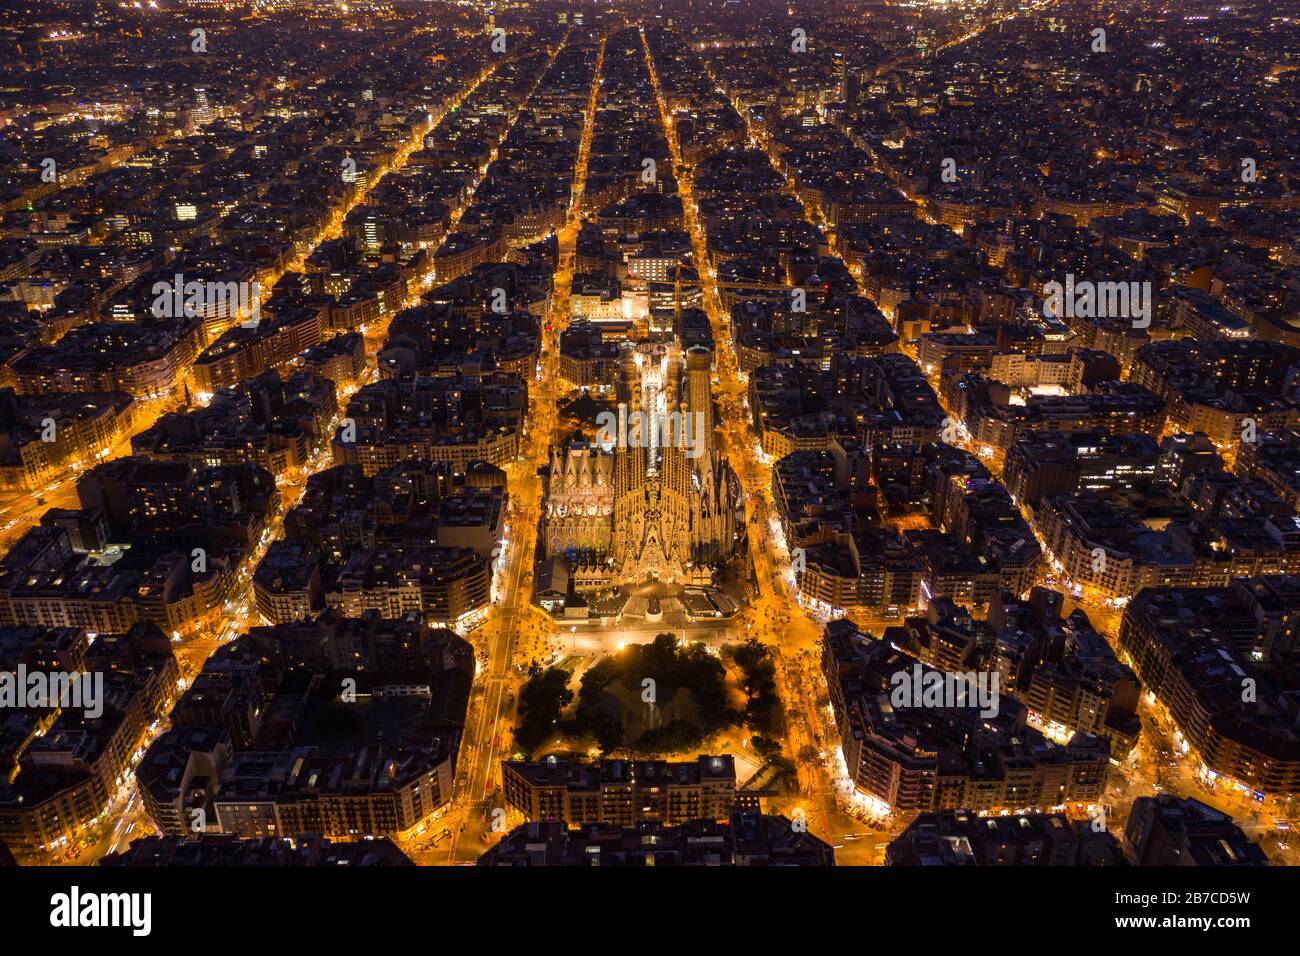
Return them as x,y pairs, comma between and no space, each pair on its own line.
754,284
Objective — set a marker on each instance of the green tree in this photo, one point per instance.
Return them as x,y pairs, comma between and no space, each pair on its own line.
541,700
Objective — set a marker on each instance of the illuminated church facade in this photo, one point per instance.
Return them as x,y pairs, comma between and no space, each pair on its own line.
648,498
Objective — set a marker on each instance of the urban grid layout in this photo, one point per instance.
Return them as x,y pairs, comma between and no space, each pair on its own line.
649,433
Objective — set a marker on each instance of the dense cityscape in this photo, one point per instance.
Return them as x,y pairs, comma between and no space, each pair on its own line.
657,433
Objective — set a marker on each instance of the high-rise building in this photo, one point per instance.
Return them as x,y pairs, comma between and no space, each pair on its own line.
202,112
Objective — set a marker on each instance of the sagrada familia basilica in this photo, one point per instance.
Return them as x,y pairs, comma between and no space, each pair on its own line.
648,498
